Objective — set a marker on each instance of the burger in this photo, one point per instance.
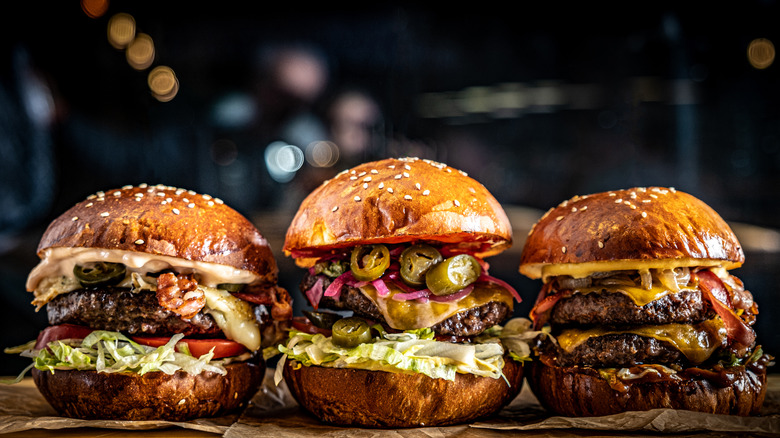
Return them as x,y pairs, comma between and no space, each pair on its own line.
640,308
160,302
404,323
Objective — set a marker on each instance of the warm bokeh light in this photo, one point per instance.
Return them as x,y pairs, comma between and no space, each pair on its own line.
322,154
163,83
121,30
140,52
94,8
761,53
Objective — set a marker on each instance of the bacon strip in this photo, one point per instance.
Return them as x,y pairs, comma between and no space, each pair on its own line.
713,289
275,297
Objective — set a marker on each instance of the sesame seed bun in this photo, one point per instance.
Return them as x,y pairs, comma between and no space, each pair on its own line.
395,201
646,226
163,221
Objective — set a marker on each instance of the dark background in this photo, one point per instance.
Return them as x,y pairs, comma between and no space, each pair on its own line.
539,103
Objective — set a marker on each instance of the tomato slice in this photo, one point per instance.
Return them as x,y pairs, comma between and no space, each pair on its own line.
61,331
198,347
302,324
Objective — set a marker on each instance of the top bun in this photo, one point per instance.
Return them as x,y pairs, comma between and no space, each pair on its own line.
166,221
650,227
399,200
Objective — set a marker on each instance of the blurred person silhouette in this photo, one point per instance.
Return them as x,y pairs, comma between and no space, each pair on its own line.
289,78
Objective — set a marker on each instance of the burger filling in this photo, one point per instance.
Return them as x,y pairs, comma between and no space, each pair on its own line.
429,310
646,323
139,312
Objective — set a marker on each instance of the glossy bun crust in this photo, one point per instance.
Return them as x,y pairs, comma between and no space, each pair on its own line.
578,392
167,221
152,396
399,200
380,399
634,224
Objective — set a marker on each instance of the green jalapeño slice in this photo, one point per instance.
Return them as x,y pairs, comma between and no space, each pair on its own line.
453,274
351,332
416,261
369,262
99,273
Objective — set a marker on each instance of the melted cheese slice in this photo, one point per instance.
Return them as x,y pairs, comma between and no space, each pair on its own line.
581,270
411,314
234,316
696,342
638,295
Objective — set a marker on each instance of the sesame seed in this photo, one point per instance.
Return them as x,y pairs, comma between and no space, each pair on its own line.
357,198
367,179
601,244
672,189
426,192
191,205
374,171
618,201
406,174
653,196
417,186
75,218
633,207
91,196
143,185
627,203
169,199
185,199
398,176
353,178
211,203
191,192
463,173
448,170
406,166
334,208
89,205
139,242
104,214
574,209
207,197
457,203
563,250
612,194
365,185
138,199
139,195
392,166
646,201
353,171
179,192
175,211
381,185
559,218
390,189
164,202
361,173
117,193
644,214
584,208
160,194
407,197
101,194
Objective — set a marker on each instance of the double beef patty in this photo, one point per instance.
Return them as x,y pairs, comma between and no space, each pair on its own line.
469,322
119,309
616,310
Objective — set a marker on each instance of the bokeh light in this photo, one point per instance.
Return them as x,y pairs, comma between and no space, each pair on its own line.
322,154
140,52
282,161
94,8
163,83
761,53
121,30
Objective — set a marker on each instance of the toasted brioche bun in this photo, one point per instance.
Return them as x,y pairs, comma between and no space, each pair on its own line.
395,201
163,221
152,396
629,229
580,391
393,400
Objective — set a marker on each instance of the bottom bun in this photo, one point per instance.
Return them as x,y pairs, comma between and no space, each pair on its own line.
581,391
152,396
380,399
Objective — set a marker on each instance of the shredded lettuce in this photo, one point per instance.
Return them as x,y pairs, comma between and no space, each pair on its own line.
113,352
413,351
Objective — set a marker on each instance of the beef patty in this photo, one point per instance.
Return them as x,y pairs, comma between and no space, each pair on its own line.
119,309
469,322
617,309
617,351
